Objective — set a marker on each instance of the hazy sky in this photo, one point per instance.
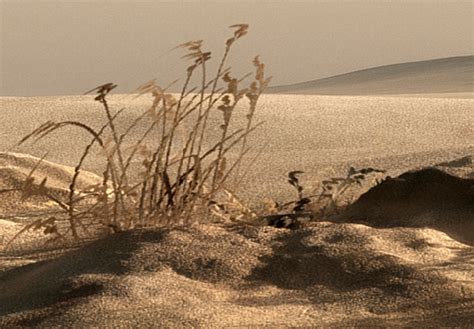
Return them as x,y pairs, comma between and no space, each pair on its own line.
68,47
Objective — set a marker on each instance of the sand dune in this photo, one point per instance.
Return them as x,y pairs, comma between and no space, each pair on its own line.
424,198
439,76
59,176
214,275
327,274
16,167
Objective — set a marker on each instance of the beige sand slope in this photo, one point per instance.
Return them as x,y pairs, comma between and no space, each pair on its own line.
210,275
14,213
327,274
16,167
438,76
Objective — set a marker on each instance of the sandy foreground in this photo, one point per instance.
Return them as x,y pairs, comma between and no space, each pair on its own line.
232,275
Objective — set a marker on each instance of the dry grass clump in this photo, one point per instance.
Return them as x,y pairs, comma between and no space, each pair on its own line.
183,172
323,202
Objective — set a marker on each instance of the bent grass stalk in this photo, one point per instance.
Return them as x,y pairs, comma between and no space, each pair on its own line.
179,179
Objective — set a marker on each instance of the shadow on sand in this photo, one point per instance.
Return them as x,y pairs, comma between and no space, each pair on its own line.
76,274
425,198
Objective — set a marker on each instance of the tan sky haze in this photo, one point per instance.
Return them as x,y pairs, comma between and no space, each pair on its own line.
68,47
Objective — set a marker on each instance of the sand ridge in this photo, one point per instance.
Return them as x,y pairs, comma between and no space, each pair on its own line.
16,167
209,275
445,77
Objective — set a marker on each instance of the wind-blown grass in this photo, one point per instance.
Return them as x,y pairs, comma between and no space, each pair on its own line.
180,181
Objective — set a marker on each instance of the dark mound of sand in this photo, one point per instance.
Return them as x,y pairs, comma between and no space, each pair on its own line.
209,275
428,197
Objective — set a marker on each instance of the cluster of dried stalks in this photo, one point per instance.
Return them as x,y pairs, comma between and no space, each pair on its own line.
323,202
180,182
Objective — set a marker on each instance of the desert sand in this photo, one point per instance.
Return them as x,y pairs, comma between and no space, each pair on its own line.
342,271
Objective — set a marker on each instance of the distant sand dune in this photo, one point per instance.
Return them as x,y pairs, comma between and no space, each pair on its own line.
439,76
